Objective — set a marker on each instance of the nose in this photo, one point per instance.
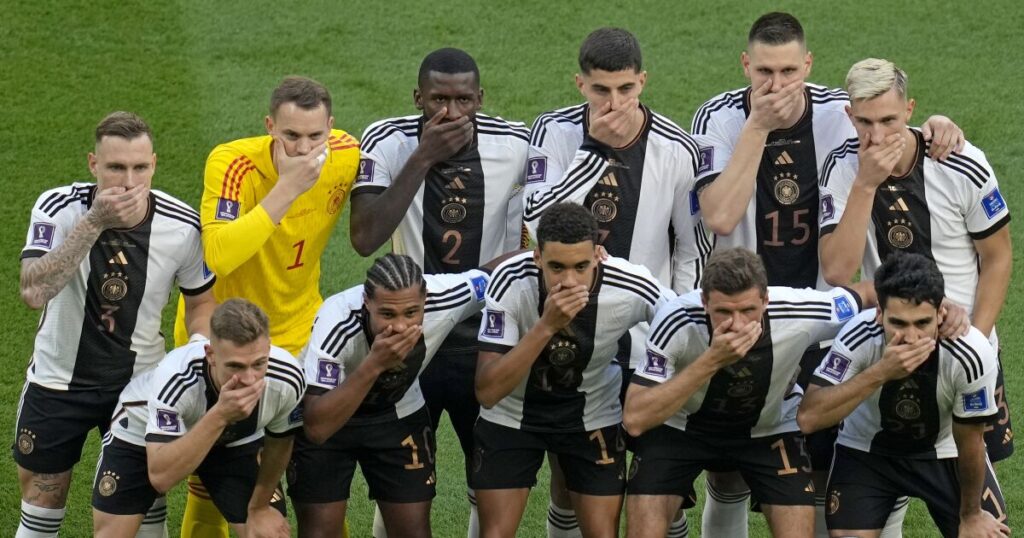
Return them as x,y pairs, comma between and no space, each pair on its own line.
454,112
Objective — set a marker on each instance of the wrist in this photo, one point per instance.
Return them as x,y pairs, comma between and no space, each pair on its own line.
544,329
284,188
865,186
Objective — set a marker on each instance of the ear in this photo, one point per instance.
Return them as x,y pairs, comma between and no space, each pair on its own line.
536,255
92,164
417,99
480,99
643,79
330,123
154,162
745,62
579,84
911,103
849,112
878,315
209,354
808,62
268,122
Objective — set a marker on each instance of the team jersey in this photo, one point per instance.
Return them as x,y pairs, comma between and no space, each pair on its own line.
938,210
573,385
756,396
781,222
163,404
104,325
642,195
912,417
342,339
277,267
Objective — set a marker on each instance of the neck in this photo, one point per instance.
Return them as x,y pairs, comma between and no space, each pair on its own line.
909,157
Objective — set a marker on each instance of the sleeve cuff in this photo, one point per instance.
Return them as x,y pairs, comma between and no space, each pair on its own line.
856,297
160,438
196,291
976,419
368,189
705,181
279,435
820,381
314,390
977,236
32,253
643,381
825,230
494,348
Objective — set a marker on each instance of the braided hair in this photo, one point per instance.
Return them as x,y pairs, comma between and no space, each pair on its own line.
393,272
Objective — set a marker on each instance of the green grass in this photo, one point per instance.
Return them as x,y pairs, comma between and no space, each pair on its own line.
201,74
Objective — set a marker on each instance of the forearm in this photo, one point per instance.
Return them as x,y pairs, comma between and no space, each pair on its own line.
993,282
43,278
169,463
497,378
198,310
971,465
650,407
226,246
273,462
842,250
375,217
324,415
825,406
724,202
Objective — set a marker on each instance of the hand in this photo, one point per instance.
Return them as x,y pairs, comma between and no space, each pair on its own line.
601,253
900,359
390,348
237,401
879,159
955,321
301,172
266,522
118,207
945,136
562,305
440,139
772,111
982,524
728,346
613,128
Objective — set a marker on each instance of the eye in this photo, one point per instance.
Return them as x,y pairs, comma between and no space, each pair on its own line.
292,136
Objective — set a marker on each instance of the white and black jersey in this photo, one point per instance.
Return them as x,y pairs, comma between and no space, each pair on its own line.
104,325
342,339
642,195
573,385
781,222
756,396
938,210
163,404
912,417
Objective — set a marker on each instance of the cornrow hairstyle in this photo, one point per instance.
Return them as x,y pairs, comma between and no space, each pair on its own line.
393,272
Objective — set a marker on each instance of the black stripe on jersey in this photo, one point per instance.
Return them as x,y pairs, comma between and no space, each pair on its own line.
809,307
966,356
449,299
179,389
77,195
489,125
705,244
673,324
667,128
510,132
643,287
175,213
440,296
288,374
592,165
967,167
851,145
507,273
571,115
821,94
407,126
700,121
194,365
177,204
872,331
526,272
341,334
437,307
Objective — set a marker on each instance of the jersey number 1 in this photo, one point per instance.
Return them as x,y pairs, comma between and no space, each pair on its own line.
298,255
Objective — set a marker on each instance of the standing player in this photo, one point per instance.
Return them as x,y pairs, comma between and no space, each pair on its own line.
913,408
761,148
364,404
718,391
446,185
547,381
880,196
634,169
101,258
269,206
223,408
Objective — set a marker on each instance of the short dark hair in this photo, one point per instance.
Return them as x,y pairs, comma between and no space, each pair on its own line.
610,49
734,270
450,61
306,93
393,272
123,125
239,321
566,223
776,28
912,277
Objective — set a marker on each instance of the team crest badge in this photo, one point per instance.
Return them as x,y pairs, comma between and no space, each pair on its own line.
561,352
108,483
908,409
787,191
740,389
605,208
900,234
26,441
115,286
833,503
335,200
393,378
454,210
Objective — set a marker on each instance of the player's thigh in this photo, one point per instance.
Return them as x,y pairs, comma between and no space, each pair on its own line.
504,458
650,515
406,519
594,462
794,521
106,525
500,511
598,515
458,395
665,462
320,520
122,487
229,474
397,459
777,469
937,483
322,474
860,494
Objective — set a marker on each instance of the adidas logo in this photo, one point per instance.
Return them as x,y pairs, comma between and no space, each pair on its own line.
455,184
784,158
899,205
118,259
608,180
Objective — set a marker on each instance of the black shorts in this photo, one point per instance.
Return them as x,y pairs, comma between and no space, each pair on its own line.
594,462
776,468
53,425
820,444
862,488
397,459
999,434
228,473
448,384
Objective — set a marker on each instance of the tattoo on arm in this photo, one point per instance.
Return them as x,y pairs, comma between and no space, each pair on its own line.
43,278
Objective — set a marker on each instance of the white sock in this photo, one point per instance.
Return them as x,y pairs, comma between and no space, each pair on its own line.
679,528
725,514
37,522
474,517
154,525
378,524
562,523
894,525
820,528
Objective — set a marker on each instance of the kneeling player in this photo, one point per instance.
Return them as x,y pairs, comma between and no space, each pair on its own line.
364,404
205,410
718,392
915,411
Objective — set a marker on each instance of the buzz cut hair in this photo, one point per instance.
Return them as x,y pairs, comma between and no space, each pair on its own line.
734,270
239,321
566,223
124,125
776,28
610,49
873,77
306,93
450,61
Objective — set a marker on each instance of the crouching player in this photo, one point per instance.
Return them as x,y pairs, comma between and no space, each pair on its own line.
364,403
223,409
914,409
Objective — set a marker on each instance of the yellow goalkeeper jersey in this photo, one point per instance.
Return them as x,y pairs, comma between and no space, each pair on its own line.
275,266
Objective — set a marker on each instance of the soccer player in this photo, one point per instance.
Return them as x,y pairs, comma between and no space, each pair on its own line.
364,404
634,169
914,409
880,196
101,258
223,408
718,391
546,378
761,149
446,186
269,206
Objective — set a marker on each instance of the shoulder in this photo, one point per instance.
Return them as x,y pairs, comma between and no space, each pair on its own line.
719,108
970,165
400,128
74,197
341,306
174,209
562,120
243,148
683,313
285,374
972,353
496,126
179,371
862,329
630,277
799,304
668,130
843,156
447,291
824,98
518,272
340,140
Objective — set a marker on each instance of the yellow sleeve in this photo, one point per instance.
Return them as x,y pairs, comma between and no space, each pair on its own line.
234,229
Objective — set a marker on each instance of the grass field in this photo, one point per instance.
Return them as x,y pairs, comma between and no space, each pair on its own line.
201,74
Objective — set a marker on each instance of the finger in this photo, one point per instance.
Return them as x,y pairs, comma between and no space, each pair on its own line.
897,339
723,326
438,117
926,131
960,142
229,384
764,88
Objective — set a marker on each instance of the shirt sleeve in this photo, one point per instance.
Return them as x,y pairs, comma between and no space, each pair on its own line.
843,305
693,243
287,419
375,173
841,363
499,326
985,210
834,183
717,143
588,165
672,343
193,276
976,368
46,228
461,294
322,358
170,406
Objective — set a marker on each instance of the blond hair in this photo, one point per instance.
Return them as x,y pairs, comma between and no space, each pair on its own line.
239,321
872,77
